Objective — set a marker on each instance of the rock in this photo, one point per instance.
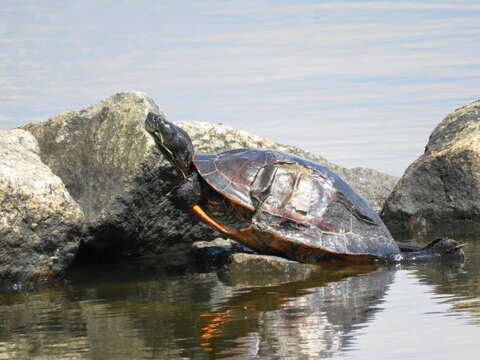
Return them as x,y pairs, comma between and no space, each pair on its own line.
439,194
372,185
215,253
39,220
110,166
262,270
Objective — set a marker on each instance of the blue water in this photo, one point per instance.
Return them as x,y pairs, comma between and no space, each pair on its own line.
142,310
362,83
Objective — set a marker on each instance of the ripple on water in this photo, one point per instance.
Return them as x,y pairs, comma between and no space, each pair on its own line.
127,312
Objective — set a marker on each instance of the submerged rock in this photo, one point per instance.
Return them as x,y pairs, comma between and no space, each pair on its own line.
255,269
240,266
40,223
439,194
215,253
110,166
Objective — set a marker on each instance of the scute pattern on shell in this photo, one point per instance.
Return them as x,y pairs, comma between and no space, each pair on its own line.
296,204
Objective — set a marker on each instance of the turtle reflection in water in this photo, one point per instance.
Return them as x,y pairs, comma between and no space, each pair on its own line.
280,204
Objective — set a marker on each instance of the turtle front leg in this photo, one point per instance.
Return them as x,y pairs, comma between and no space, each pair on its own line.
208,220
189,193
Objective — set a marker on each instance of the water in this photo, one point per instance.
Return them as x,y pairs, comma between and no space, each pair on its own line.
362,83
141,310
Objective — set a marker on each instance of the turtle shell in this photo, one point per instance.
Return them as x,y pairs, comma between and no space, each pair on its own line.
297,207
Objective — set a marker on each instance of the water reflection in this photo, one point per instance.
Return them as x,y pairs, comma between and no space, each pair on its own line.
310,318
142,311
457,286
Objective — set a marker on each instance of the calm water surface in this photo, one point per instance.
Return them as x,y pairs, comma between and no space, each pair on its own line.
362,83
141,310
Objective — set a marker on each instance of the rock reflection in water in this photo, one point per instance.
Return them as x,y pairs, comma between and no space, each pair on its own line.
457,284
140,310
137,310
305,319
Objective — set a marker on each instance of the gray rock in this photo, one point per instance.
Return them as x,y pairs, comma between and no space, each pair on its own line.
439,194
237,265
39,220
263,270
111,167
212,254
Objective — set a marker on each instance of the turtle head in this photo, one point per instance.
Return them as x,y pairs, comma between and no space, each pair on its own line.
172,141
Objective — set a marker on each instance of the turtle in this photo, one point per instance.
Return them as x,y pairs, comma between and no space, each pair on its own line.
277,203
